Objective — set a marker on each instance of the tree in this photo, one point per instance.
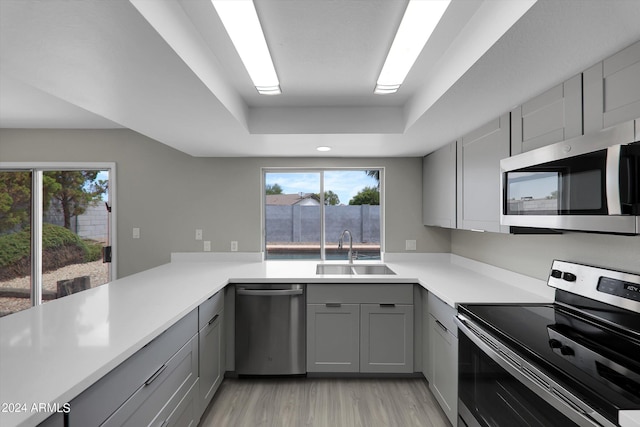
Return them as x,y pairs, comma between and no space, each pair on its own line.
366,196
15,199
75,191
375,174
273,189
331,198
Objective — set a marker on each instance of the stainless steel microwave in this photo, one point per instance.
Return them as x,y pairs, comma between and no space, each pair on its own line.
590,183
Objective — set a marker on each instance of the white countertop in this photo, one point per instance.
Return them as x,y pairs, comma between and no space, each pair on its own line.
53,352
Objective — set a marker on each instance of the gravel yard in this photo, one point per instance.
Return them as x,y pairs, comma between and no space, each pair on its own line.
97,270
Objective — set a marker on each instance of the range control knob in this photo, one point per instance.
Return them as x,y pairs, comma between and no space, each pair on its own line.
556,273
569,277
554,343
567,351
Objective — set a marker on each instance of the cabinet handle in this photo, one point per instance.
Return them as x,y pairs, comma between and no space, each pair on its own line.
333,304
155,375
444,328
387,305
213,319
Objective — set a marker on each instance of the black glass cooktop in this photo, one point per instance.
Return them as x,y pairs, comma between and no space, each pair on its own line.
598,361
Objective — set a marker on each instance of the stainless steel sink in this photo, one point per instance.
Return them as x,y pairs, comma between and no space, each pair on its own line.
372,269
353,269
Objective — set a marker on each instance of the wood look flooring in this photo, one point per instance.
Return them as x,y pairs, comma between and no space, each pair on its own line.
331,402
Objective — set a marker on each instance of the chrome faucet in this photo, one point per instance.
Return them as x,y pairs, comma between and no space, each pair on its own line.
341,239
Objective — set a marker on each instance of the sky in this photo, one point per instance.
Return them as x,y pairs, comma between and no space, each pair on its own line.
345,183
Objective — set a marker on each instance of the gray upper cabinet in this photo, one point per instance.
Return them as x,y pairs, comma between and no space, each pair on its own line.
553,116
612,90
439,187
479,155
386,338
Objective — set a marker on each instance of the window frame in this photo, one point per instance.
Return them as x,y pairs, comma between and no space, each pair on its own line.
321,171
37,169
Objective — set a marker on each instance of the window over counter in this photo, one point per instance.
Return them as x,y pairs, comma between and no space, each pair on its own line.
305,212
55,231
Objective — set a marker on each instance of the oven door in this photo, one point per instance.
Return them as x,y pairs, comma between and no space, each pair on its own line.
498,388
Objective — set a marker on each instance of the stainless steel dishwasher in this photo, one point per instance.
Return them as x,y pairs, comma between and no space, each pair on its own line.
270,329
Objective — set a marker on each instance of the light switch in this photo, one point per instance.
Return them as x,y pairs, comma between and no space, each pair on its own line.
198,234
136,233
410,245
207,246
234,246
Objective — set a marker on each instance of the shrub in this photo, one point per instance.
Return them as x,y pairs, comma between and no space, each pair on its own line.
60,247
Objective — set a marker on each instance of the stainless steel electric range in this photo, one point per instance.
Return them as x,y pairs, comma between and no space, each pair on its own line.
573,362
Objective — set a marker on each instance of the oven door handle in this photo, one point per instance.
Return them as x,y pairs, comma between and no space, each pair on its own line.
546,388
612,180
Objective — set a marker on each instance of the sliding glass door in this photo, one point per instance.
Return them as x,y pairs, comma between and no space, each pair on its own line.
55,232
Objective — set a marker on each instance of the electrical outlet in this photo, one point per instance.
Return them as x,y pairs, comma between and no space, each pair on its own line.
410,245
234,246
207,246
136,233
198,234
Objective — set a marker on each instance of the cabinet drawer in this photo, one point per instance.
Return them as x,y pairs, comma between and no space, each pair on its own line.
443,314
104,397
367,293
157,398
210,308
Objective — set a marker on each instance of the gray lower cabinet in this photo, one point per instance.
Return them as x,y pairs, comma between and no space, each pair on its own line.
149,386
427,366
158,399
612,90
386,338
333,337
360,328
554,116
55,420
439,187
443,357
211,349
479,156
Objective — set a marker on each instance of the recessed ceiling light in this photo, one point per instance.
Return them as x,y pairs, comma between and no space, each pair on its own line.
419,20
323,148
241,21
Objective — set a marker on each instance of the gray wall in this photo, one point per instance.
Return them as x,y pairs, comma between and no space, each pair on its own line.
532,254
169,194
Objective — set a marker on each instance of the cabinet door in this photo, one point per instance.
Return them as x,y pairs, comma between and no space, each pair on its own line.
333,337
612,90
210,359
157,398
185,413
479,157
386,338
553,116
444,361
439,187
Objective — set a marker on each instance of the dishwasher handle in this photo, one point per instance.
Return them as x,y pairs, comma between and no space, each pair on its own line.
269,292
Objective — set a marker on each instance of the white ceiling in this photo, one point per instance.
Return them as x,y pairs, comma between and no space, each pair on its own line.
166,69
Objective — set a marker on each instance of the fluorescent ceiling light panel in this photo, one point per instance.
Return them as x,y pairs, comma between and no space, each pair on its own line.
419,20
241,21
